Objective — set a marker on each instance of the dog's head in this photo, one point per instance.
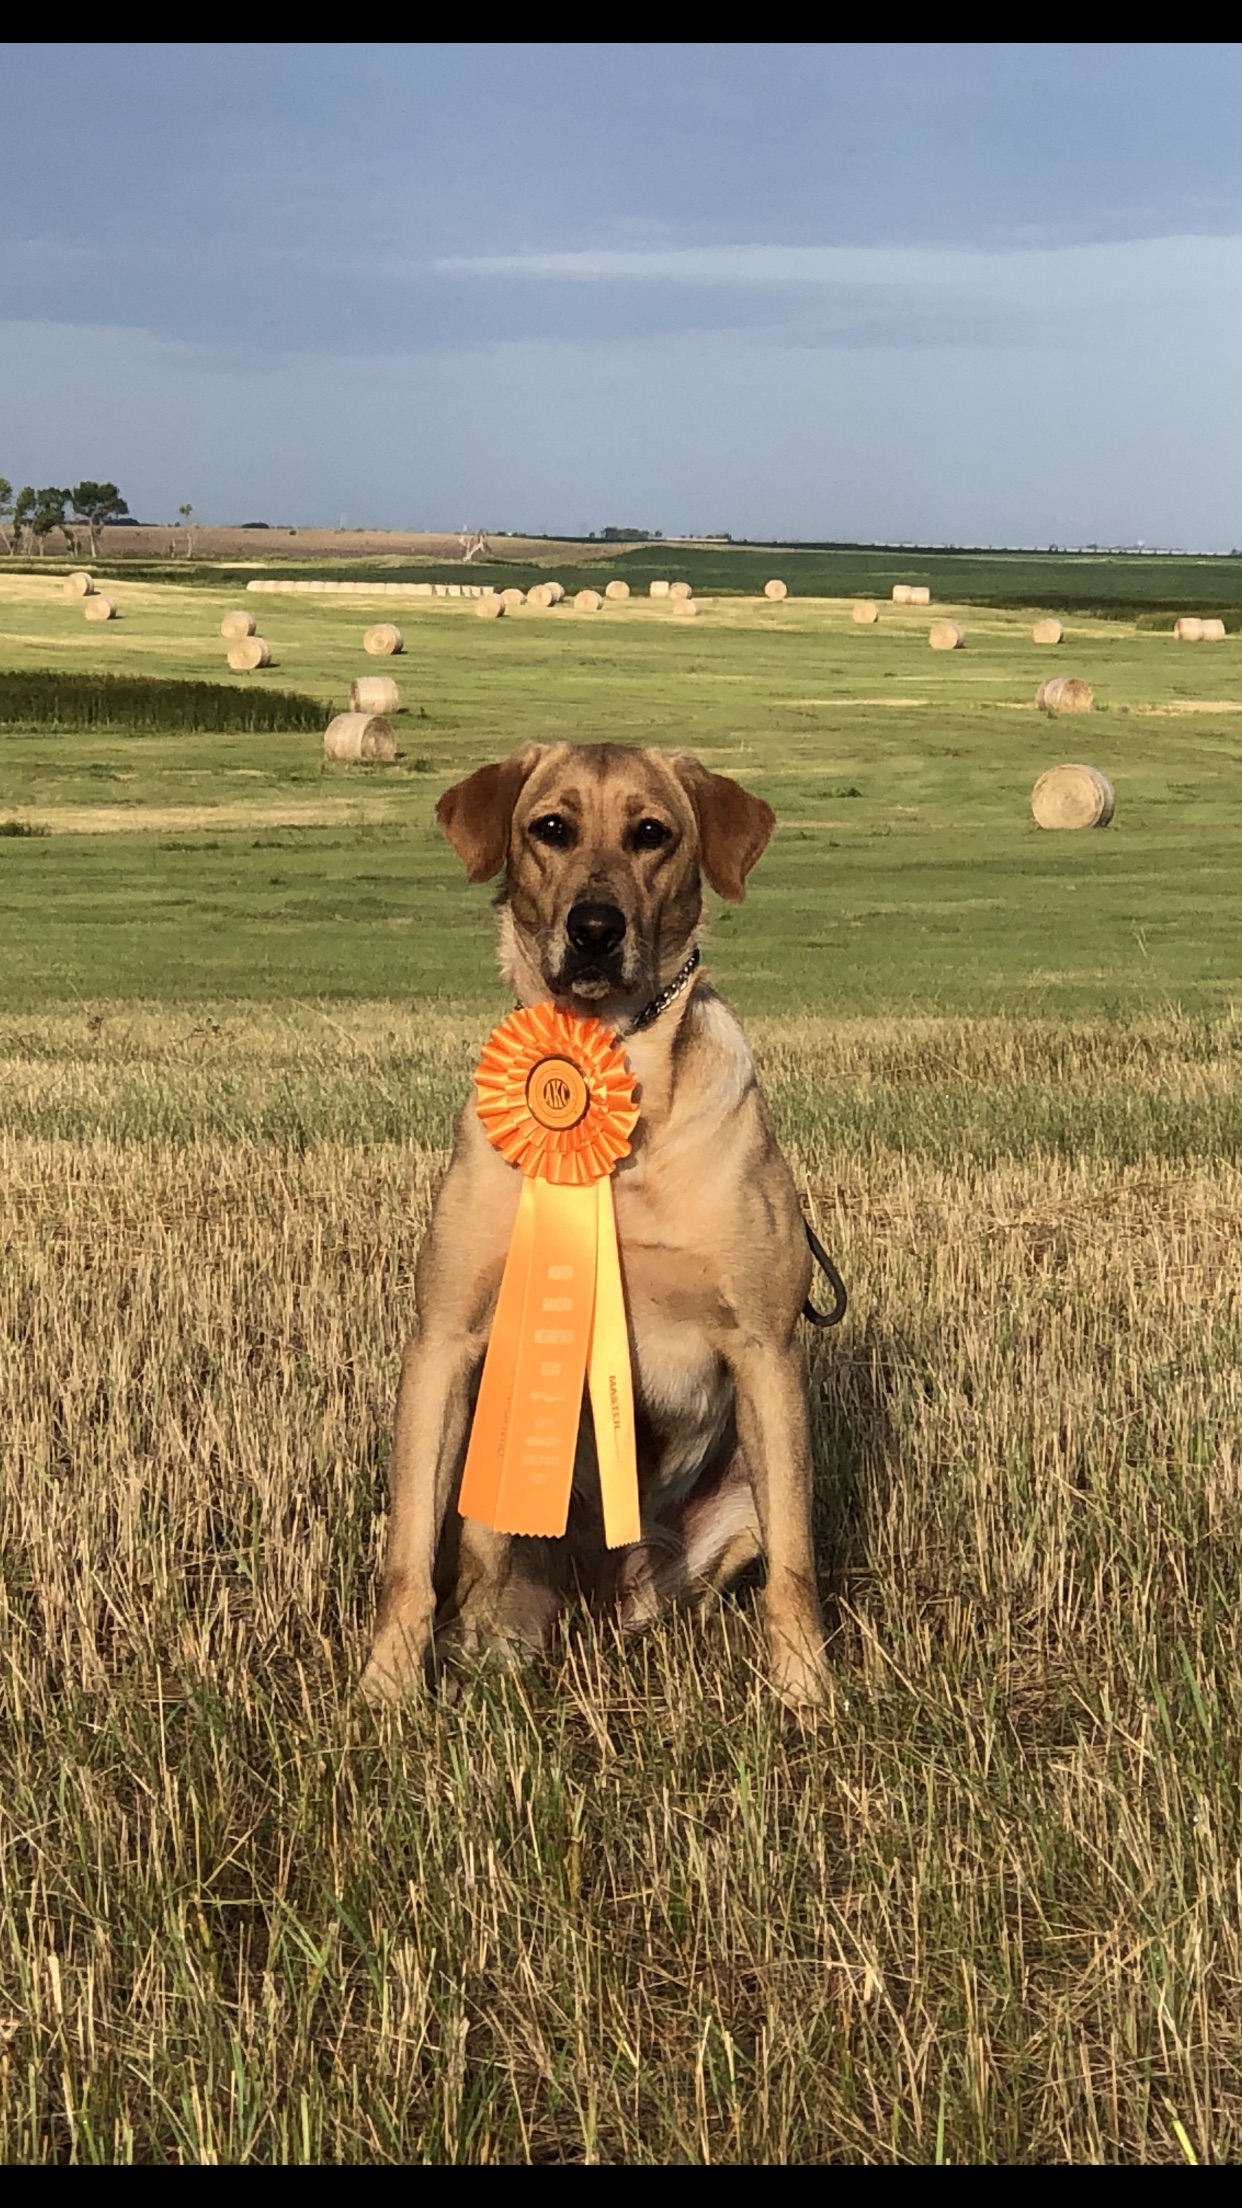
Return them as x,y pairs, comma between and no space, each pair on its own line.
602,850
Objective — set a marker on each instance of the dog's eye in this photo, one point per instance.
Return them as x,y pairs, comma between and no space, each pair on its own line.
648,835
554,830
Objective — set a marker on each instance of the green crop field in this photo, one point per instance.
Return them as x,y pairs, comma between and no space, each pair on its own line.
620,1908
906,875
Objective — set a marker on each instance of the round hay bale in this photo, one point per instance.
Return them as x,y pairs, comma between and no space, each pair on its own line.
945,636
659,590
1189,630
383,640
680,590
1065,694
490,608
1214,631
514,597
1047,632
920,594
249,652
440,589
685,607
238,624
540,597
587,601
98,607
776,589
616,589
358,736
454,590
374,694
556,592
79,584
1073,797
901,594
866,612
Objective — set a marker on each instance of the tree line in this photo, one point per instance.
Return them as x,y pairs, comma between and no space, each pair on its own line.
34,515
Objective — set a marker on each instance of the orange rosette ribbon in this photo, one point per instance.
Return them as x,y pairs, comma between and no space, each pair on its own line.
556,1098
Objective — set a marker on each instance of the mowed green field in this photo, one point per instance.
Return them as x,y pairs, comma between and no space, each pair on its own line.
620,1908
906,873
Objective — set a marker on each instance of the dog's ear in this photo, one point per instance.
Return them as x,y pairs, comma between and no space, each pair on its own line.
734,827
476,814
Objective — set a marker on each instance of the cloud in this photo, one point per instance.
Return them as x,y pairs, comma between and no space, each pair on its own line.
1149,271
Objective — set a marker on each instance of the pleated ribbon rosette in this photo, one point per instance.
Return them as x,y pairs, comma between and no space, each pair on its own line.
556,1098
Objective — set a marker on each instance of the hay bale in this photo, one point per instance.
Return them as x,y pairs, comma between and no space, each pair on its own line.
659,590
557,592
540,597
901,594
79,584
1214,631
440,589
680,590
249,652
616,589
98,607
374,694
1065,694
513,597
686,607
945,636
356,736
1047,632
1073,797
587,601
238,624
383,640
865,612
490,608
1189,630
920,595
776,589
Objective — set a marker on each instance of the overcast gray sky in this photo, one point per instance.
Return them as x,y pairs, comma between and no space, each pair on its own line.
987,294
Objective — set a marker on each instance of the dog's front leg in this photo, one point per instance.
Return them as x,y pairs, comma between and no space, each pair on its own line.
433,1410
772,1429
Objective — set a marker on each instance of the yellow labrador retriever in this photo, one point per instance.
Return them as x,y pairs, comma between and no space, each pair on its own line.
602,849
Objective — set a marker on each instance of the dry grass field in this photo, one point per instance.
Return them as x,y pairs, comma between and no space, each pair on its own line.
619,1908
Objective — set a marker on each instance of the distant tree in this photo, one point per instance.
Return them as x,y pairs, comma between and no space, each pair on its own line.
6,509
23,507
187,515
472,542
96,504
48,513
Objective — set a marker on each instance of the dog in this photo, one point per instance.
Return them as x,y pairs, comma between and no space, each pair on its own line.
602,849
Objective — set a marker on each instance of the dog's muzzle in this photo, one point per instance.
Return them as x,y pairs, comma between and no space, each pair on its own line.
595,934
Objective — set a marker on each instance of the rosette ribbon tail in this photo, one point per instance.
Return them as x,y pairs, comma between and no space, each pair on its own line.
559,1324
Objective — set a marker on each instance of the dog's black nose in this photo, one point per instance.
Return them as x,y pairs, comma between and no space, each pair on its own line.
595,929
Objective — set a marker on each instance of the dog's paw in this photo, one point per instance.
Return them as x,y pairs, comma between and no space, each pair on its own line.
800,1678
394,1671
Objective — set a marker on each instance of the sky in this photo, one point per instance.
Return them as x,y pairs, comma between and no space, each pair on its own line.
935,293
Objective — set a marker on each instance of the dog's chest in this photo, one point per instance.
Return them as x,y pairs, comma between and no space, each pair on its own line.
681,1385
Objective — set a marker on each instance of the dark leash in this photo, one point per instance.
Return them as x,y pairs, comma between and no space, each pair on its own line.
835,1282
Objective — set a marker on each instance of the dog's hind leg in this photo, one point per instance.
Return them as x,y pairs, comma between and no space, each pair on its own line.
696,1551
503,1599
